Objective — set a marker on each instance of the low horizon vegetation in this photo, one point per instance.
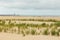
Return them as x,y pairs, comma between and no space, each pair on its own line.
47,20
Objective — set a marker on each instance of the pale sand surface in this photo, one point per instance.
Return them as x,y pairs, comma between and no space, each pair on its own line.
31,17
9,36
33,22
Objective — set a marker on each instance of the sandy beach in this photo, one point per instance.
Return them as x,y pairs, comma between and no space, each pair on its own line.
9,36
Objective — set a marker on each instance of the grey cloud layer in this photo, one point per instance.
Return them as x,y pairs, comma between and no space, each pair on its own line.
29,7
31,4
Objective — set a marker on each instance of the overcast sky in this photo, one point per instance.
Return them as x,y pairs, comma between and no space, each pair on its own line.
30,7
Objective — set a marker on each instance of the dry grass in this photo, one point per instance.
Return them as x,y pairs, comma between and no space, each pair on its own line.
29,30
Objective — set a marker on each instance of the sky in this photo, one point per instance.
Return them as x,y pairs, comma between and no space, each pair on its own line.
30,7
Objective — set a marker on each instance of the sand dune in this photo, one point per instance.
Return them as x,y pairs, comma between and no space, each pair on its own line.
13,36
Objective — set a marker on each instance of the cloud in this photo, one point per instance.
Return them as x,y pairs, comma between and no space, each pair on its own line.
29,7
30,4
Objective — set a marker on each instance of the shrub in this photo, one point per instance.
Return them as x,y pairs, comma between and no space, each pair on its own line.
0,29
57,24
44,25
53,32
50,25
52,20
58,30
46,32
33,32
57,33
23,33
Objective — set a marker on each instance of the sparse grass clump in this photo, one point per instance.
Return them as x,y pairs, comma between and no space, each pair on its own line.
45,32
23,33
53,32
1,29
33,32
44,25
57,24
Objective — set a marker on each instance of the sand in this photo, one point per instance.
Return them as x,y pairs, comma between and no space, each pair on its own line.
31,17
10,36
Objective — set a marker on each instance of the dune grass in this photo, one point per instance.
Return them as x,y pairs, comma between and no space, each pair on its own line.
10,27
